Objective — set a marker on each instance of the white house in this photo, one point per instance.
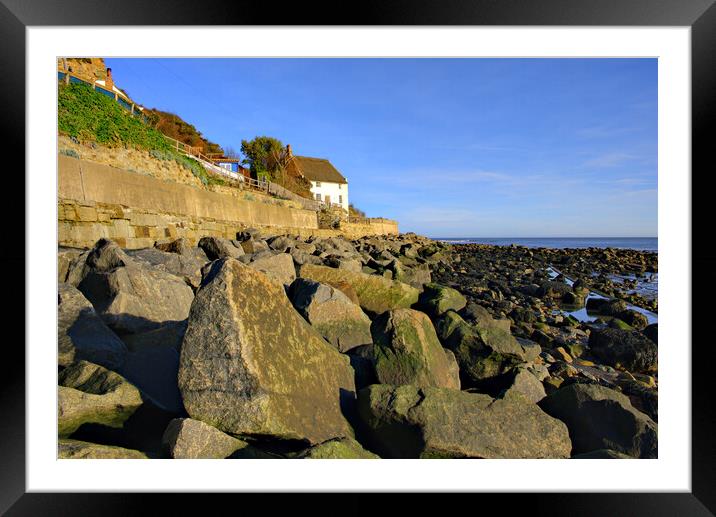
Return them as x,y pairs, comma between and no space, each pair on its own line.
327,184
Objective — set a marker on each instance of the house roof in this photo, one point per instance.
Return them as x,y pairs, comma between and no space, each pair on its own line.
318,169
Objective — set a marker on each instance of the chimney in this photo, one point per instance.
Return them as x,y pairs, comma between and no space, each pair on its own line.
288,150
109,82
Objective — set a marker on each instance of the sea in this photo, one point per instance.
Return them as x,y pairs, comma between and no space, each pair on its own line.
636,243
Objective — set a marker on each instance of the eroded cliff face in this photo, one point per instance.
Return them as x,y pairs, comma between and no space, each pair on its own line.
83,67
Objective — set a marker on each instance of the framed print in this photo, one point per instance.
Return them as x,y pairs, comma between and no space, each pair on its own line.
259,235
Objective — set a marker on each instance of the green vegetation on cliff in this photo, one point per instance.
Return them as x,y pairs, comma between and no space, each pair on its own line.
88,116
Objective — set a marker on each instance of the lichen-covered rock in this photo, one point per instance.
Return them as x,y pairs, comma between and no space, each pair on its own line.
627,349
279,267
76,449
81,333
91,394
186,438
411,422
340,321
601,418
376,294
407,351
338,449
251,365
437,299
132,296
218,248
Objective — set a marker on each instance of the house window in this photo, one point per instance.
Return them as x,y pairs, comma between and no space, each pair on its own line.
318,183
318,197
340,199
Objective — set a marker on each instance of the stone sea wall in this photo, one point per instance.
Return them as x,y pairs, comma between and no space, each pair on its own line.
96,201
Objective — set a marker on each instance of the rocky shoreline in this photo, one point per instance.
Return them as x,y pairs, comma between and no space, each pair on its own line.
276,346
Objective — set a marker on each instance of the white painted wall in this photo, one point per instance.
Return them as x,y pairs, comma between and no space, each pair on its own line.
337,191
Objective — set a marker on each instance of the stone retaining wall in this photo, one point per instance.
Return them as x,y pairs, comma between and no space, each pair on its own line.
135,210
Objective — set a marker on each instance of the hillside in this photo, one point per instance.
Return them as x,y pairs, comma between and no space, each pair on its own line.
175,127
86,116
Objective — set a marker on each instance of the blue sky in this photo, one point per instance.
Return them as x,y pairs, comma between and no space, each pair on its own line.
448,147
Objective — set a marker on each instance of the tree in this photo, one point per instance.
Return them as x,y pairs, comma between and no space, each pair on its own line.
266,157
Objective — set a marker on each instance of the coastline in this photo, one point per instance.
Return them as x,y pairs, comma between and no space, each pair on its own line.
487,334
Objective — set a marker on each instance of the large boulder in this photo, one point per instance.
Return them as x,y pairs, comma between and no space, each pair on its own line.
279,267
91,394
81,333
76,449
338,449
601,418
437,299
340,321
186,265
483,352
407,351
132,296
627,349
411,422
218,248
186,438
376,294
250,364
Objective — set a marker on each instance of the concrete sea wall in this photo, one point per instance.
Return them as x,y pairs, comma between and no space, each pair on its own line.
96,201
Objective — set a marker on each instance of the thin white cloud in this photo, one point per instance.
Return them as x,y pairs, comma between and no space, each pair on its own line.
609,160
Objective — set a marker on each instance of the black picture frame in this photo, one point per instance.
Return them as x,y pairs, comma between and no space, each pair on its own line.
17,15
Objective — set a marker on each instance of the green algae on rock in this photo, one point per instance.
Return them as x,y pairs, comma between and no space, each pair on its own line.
251,365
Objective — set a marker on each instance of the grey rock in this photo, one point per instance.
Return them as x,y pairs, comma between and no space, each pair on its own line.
217,248
133,296
82,334
528,384
278,267
624,349
601,418
186,265
186,438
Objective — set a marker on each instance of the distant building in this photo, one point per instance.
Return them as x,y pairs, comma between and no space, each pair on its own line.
327,184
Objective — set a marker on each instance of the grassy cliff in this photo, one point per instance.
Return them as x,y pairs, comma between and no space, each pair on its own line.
89,116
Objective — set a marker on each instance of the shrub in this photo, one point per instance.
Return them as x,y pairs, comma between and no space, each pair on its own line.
70,152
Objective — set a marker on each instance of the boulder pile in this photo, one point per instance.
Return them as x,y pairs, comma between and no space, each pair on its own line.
280,346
